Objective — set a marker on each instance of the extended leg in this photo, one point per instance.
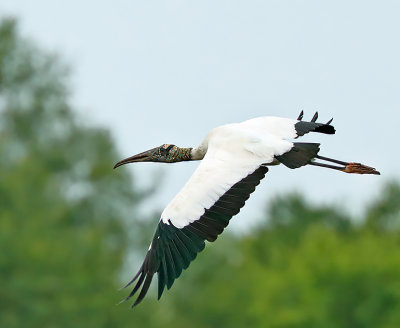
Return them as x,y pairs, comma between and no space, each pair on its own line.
357,168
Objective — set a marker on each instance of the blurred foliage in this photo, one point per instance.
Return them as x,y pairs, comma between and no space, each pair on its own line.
63,210
68,222
308,267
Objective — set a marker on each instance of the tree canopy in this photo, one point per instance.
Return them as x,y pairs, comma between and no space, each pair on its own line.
63,210
68,223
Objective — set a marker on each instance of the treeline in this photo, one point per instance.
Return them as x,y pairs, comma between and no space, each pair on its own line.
68,224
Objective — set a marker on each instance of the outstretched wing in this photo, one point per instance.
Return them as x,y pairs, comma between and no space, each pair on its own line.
173,248
217,190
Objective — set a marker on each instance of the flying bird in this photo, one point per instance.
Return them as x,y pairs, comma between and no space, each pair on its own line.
234,159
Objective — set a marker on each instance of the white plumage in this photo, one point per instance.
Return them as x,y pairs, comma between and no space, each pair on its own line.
234,159
233,152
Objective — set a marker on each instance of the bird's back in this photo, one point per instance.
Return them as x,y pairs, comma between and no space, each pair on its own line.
272,125
233,152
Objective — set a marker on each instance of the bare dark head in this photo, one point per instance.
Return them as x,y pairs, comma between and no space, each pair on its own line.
166,153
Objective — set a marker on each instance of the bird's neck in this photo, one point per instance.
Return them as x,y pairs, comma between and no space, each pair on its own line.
187,154
182,154
197,153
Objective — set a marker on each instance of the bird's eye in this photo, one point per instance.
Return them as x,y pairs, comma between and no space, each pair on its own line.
164,149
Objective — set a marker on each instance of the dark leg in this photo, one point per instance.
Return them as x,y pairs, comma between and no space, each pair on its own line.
347,167
340,168
331,160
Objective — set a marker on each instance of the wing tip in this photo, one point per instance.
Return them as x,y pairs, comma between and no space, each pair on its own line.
142,275
145,288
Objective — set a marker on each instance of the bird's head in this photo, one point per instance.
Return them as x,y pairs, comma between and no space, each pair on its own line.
166,153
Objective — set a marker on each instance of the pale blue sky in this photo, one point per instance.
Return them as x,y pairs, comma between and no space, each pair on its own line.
169,71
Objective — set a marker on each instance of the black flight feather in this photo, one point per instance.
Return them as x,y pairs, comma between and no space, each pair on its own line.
172,249
303,127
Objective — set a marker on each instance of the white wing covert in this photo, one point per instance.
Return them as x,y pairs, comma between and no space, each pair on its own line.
216,191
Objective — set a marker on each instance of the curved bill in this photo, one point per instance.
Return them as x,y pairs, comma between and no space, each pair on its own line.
146,156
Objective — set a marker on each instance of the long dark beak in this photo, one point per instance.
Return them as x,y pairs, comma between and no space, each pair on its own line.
146,156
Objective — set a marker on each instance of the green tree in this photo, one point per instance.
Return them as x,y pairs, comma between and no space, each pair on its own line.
64,212
309,266
67,223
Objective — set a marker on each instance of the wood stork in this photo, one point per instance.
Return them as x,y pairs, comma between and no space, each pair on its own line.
234,160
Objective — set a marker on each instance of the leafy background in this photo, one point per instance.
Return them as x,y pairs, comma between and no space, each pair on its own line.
71,232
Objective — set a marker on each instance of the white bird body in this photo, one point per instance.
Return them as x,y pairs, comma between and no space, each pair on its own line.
233,151
234,159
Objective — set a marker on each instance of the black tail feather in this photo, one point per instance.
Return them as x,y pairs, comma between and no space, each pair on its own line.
301,154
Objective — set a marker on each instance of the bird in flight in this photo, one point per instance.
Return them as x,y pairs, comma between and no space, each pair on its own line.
234,159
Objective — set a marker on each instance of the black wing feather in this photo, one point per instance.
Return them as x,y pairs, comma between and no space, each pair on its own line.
303,127
179,264
183,250
172,249
144,290
170,266
202,234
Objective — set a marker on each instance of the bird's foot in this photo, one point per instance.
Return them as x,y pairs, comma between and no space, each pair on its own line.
346,167
359,168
